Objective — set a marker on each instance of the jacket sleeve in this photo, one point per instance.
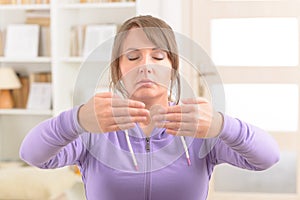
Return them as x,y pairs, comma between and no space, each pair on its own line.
54,142
245,146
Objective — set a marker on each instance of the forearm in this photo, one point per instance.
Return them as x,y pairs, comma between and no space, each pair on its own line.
46,139
256,146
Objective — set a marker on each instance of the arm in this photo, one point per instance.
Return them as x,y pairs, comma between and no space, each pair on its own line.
245,146
54,142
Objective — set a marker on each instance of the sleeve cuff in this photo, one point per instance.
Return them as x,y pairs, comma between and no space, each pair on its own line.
79,129
230,130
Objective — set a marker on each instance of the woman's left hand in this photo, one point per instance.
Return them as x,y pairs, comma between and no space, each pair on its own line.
194,117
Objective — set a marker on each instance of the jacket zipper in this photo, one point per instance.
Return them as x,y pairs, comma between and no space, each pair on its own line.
147,194
147,144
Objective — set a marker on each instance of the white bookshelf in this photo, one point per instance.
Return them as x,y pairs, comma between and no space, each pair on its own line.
24,7
98,5
25,60
67,14
26,112
15,123
72,59
63,14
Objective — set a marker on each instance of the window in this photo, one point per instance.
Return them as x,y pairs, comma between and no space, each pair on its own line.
255,47
255,42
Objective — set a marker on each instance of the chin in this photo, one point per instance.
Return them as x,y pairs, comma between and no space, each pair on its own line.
142,96
146,95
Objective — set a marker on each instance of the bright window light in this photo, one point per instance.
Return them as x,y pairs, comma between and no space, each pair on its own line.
281,178
273,107
255,42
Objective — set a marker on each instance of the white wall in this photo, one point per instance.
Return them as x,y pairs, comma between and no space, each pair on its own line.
168,10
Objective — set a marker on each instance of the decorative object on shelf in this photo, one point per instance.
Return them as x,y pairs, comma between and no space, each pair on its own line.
8,81
22,41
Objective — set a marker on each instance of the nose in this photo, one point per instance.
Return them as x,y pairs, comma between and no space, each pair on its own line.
146,65
145,69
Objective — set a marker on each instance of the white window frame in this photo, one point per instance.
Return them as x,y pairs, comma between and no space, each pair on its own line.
200,13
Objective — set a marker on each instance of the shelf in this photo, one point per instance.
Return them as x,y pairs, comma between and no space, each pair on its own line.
81,60
72,59
98,5
25,60
25,112
25,7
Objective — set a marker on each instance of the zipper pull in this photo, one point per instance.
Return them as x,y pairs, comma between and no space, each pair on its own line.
147,144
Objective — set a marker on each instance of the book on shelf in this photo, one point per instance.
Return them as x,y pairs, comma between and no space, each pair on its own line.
41,77
77,35
5,1
104,1
22,40
41,18
85,38
24,2
45,42
40,91
1,42
20,95
97,34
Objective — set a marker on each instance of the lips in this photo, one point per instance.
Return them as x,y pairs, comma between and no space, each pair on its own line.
145,82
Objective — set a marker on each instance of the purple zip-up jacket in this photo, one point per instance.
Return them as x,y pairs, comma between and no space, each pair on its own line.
109,174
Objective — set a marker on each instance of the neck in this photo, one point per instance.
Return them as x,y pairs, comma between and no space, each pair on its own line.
153,107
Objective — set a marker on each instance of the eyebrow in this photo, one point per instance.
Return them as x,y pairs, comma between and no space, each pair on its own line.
131,49
136,49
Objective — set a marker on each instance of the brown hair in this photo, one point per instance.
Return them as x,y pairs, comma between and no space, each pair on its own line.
160,34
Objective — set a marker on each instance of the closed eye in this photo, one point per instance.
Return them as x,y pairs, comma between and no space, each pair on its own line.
158,58
133,55
132,59
159,54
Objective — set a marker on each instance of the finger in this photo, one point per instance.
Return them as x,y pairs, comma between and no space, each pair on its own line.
117,112
117,127
180,132
175,117
125,120
115,102
106,95
178,109
197,100
178,126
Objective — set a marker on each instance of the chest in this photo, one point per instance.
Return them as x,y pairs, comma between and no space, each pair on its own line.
175,181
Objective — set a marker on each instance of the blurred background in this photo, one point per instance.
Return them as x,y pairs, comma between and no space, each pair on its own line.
254,45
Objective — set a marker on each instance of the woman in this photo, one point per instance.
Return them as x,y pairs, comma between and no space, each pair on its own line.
140,147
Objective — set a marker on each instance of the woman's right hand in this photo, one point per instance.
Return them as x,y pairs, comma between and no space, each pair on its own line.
106,112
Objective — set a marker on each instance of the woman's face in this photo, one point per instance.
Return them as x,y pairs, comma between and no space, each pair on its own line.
146,68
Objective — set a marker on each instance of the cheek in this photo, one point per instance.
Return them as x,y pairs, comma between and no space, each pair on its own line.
163,75
123,66
128,76
166,70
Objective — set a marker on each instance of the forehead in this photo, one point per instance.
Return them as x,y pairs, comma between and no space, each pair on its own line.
136,39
